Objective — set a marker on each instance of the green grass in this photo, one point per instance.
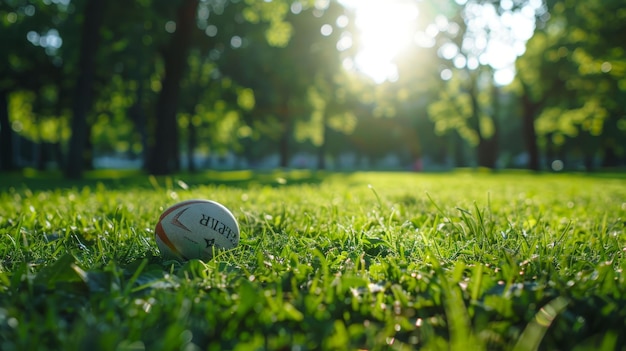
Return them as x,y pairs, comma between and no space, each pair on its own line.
376,261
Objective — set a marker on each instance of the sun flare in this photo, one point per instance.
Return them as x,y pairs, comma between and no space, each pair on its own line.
385,30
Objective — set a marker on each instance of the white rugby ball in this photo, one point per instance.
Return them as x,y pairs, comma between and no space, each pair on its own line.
196,229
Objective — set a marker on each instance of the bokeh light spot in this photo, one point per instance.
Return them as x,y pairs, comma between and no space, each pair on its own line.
170,26
446,74
211,30
326,30
557,165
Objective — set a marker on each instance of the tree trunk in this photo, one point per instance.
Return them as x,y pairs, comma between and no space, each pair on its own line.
458,149
7,161
487,152
88,152
487,148
588,161
528,130
138,116
42,156
550,151
93,17
321,150
610,157
490,144
283,147
57,154
192,141
192,130
165,157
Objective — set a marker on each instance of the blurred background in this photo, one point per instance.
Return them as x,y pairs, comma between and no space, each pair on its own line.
186,85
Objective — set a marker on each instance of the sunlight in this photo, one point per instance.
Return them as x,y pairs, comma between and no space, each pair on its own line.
385,30
498,39
491,39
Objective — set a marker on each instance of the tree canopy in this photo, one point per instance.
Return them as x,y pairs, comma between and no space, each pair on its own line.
158,79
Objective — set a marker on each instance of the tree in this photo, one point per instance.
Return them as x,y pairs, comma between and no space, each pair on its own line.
460,109
571,82
6,136
532,93
466,104
280,63
317,32
28,61
92,20
164,156
137,31
268,23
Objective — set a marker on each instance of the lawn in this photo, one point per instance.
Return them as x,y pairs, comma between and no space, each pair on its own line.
374,261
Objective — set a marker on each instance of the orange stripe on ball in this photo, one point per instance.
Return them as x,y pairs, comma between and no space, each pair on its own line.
161,234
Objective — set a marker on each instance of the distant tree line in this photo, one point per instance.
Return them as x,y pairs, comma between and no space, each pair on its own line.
159,79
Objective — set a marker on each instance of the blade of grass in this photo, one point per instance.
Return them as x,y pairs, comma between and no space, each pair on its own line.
535,330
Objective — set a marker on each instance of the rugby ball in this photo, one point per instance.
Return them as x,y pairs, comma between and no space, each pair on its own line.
196,229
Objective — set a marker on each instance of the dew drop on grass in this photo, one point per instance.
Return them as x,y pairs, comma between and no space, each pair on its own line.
183,185
397,309
374,288
463,285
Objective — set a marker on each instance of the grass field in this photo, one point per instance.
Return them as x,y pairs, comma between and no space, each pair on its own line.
373,261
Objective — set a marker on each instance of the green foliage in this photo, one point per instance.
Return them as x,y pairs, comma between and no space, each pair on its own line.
452,112
326,261
34,124
573,70
279,31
